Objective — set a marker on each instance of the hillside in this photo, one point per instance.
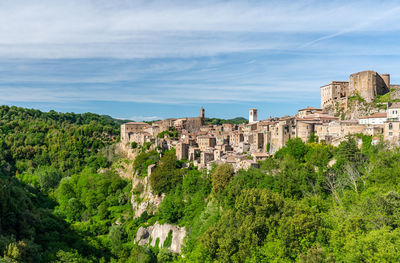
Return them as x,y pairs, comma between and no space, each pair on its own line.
216,121
41,153
62,199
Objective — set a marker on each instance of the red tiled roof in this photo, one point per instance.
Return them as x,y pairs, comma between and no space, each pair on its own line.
136,123
311,108
376,115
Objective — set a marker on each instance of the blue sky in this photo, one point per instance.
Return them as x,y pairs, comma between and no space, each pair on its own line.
147,60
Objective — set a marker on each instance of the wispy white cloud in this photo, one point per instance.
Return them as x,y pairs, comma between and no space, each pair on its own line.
369,23
143,29
79,52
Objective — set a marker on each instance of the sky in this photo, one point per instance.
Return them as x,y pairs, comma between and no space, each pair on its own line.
147,60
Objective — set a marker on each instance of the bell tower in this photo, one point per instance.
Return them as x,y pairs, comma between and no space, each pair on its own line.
252,115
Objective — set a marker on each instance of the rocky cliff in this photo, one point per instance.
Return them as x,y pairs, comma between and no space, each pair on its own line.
142,199
166,235
354,108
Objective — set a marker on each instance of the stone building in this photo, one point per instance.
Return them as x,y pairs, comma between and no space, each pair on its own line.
252,115
392,124
336,131
165,125
182,151
130,128
374,119
281,132
194,153
302,113
236,137
367,84
206,142
334,91
206,157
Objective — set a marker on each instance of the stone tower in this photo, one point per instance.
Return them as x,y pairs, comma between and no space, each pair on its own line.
386,79
202,113
368,84
252,115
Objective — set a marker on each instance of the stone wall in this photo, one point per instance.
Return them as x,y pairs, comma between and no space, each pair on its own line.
194,124
367,84
333,91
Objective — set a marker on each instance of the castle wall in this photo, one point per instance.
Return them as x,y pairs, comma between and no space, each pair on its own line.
386,79
367,84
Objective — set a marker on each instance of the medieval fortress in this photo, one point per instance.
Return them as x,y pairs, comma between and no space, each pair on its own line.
245,144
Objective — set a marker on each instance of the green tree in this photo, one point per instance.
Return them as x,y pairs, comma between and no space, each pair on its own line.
48,177
254,216
221,176
166,175
116,235
295,148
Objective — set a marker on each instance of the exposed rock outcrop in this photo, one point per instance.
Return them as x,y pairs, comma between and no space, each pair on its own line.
160,232
126,150
353,109
144,201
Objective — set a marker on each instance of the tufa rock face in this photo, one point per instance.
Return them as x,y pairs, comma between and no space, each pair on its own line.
157,231
352,110
145,201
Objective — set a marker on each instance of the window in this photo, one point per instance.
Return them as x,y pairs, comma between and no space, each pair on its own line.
390,134
390,126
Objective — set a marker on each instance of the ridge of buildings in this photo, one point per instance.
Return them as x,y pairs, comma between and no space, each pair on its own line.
244,144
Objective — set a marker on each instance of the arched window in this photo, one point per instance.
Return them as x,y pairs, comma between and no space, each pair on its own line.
390,126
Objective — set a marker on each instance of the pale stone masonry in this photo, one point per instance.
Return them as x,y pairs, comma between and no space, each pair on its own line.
245,144
392,124
366,84
252,115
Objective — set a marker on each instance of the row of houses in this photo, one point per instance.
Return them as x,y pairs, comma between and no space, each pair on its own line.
245,144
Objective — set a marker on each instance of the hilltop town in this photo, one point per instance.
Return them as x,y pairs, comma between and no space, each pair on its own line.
245,144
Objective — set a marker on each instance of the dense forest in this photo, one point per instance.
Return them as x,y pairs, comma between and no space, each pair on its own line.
62,201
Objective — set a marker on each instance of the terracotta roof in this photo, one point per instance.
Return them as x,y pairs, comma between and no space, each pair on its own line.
284,118
311,108
136,123
376,115
204,137
261,154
